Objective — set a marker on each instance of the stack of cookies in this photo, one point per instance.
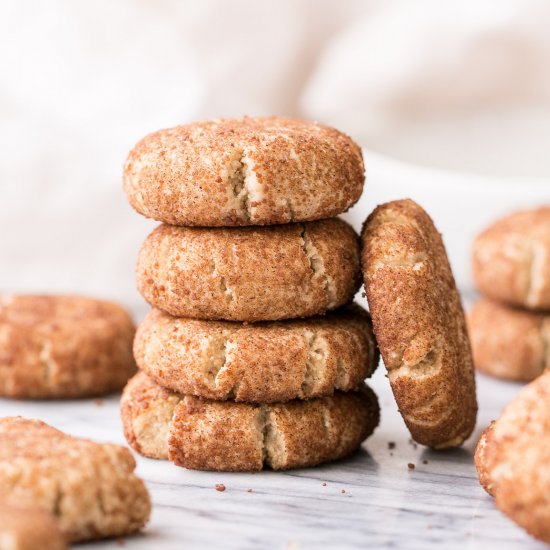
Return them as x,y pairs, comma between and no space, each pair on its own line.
510,326
252,355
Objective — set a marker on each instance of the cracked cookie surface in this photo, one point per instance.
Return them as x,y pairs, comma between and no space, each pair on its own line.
247,171
251,273
419,324
227,436
63,346
89,488
260,362
512,458
511,259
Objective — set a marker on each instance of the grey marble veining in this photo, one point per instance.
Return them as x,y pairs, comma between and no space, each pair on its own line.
385,505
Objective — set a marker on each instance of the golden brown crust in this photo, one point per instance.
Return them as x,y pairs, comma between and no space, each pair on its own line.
512,458
28,529
229,436
263,362
509,343
89,487
63,346
247,171
511,259
250,274
419,324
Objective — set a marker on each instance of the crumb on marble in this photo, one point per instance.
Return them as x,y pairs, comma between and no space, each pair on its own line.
121,542
391,444
343,491
98,402
249,490
424,461
220,487
410,466
324,484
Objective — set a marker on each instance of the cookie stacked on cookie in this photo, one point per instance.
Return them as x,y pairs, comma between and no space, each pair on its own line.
252,355
510,326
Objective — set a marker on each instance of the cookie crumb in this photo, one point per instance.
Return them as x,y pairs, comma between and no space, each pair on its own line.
324,484
343,491
249,490
410,466
424,462
220,487
391,444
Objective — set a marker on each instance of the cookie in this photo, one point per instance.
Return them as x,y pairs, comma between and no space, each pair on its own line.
247,171
511,259
226,436
89,487
29,529
251,273
419,324
261,362
63,347
512,459
509,343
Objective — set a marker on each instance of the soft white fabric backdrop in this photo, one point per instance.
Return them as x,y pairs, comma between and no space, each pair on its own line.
81,82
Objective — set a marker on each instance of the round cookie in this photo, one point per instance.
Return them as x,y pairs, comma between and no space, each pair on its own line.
28,529
63,347
509,343
246,171
227,436
511,259
512,459
263,362
89,487
419,324
250,274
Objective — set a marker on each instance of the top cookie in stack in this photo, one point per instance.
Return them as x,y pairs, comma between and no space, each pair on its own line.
246,239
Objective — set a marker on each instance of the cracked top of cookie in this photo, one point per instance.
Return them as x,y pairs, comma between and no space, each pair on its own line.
245,171
419,323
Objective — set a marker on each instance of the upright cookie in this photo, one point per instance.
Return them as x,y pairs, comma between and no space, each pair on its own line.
227,436
511,259
250,274
512,459
507,342
247,171
63,346
419,324
89,487
263,362
29,529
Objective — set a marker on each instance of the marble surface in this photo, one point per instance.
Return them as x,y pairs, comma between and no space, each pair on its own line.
385,505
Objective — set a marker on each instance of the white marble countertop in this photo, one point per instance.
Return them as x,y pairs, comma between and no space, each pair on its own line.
385,505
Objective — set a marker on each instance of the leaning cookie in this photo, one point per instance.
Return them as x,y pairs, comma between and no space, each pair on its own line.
419,324
250,274
509,343
261,362
89,487
29,528
63,346
511,259
227,436
512,459
246,171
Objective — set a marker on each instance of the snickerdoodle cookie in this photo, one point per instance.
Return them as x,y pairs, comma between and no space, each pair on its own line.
247,171
508,342
511,259
90,488
63,346
512,459
29,529
260,362
419,323
223,435
250,273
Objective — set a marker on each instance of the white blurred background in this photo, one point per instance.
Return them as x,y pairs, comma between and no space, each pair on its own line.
440,89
